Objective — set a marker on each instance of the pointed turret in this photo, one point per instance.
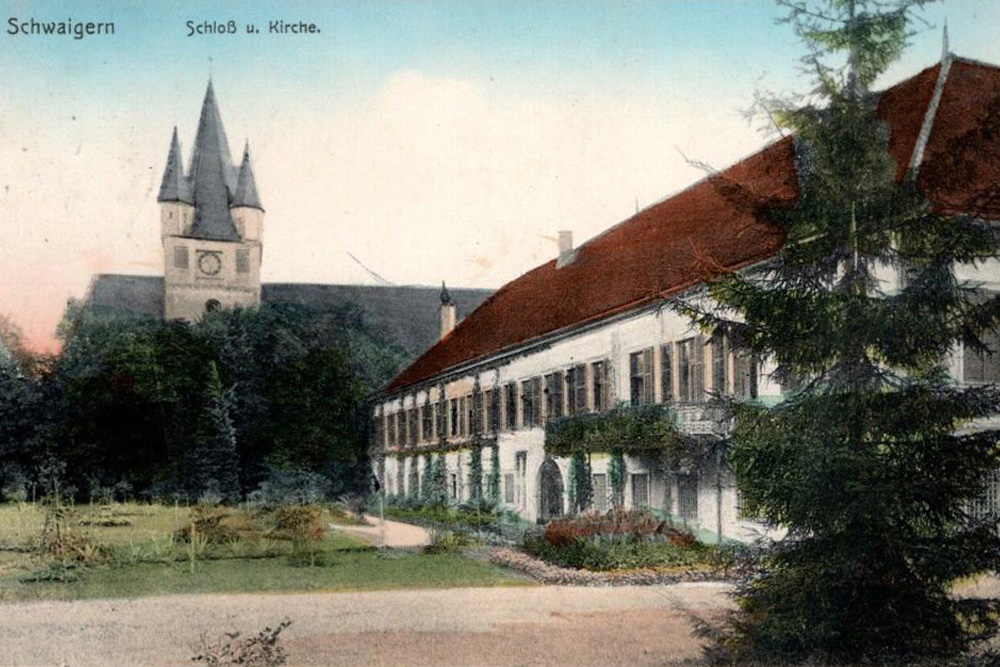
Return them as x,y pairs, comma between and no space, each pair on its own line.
172,187
211,175
246,186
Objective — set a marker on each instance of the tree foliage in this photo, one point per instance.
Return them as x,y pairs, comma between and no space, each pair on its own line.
872,465
159,407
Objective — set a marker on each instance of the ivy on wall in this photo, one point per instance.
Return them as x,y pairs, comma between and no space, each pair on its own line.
426,481
616,475
476,473
494,481
581,482
439,482
641,428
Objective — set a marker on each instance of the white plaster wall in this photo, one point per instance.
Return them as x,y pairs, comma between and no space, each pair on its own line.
613,342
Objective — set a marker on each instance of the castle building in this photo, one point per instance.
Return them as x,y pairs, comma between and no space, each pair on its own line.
212,231
589,330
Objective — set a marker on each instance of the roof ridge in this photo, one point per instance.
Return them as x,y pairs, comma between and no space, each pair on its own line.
920,146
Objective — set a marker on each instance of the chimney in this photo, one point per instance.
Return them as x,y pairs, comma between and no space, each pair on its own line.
447,311
566,252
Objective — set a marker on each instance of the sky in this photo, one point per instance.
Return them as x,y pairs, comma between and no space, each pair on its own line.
433,140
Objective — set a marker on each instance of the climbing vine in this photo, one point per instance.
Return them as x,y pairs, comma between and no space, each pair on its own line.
427,481
631,428
494,481
616,475
476,473
581,482
439,483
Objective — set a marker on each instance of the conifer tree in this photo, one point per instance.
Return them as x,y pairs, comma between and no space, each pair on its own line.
872,462
215,458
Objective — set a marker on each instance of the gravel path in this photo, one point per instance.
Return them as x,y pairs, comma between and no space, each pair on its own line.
397,535
500,627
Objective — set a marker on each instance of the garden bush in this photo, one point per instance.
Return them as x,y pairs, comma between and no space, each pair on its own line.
216,526
614,525
617,540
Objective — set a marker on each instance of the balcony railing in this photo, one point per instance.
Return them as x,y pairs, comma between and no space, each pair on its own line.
702,419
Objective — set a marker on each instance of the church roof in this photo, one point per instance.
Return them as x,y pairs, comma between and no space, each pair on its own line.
212,179
173,187
948,116
246,185
211,167
407,316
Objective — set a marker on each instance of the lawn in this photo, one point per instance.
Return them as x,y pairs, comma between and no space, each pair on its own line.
144,558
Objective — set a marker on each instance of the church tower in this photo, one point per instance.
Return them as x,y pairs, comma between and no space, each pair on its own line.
211,224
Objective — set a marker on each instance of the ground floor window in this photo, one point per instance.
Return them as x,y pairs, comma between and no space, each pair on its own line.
454,485
640,490
687,497
508,488
987,506
601,492
414,483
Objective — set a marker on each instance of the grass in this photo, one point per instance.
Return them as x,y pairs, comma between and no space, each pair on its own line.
145,559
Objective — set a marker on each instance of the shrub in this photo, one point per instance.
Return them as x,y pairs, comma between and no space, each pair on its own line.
300,525
215,526
259,650
296,487
616,524
448,541
615,540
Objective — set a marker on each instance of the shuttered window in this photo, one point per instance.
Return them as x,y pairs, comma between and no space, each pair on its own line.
641,377
242,261
576,390
720,350
984,366
554,395
531,394
640,490
412,420
691,369
687,497
510,405
427,422
745,380
667,372
599,374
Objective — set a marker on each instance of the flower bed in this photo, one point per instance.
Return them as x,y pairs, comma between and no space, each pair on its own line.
617,540
548,573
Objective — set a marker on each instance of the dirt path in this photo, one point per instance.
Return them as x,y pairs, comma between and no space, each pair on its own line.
397,535
499,627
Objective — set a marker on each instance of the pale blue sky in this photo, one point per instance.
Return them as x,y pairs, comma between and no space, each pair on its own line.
435,140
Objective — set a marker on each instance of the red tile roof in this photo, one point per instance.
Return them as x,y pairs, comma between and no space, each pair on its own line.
677,243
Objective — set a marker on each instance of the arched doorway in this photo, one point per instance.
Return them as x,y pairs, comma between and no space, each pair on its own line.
550,492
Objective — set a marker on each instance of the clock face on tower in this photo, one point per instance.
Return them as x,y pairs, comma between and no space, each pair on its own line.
209,263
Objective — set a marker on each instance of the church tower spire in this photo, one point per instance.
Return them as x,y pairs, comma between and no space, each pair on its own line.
172,187
212,221
246,186
212,175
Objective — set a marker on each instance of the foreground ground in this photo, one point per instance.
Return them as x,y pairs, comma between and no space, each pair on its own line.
550,626
143,558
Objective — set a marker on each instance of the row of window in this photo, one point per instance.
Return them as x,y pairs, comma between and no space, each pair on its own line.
181,259
579,389
677,368
681,372
515,491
